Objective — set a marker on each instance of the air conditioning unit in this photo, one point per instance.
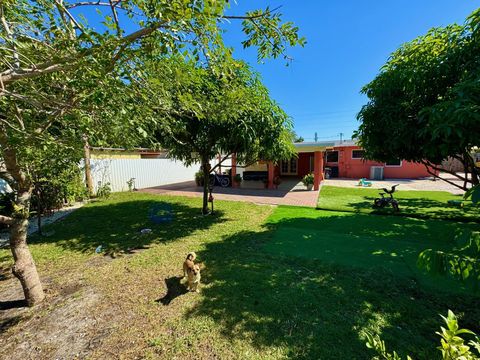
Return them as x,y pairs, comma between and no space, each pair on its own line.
376,172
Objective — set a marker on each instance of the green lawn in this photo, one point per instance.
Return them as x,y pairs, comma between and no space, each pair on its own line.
423,204
278,283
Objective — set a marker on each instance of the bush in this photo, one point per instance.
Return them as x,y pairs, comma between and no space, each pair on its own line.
53,191
104,191
308,179
453,346
237,178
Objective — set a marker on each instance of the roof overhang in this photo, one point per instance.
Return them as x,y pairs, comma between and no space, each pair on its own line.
304,147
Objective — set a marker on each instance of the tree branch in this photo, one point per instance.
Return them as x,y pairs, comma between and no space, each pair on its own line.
251,17
443,179
221,162
47,67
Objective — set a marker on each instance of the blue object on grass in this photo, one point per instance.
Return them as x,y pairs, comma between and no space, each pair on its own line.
98,250
161,213
364,182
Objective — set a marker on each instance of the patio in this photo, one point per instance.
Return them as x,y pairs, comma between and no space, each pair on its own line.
289,192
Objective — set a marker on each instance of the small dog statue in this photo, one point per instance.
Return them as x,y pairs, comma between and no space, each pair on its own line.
191,272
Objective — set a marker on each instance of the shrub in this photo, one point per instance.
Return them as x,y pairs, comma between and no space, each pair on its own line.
237,178
308,179
453,346
54,190
131,184
104,191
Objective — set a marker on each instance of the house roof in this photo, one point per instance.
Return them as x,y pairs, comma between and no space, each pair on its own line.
311,146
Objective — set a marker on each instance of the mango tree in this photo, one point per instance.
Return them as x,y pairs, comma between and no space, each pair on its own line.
423,105
57,60
213,112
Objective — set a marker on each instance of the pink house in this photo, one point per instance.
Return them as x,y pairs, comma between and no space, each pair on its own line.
340,159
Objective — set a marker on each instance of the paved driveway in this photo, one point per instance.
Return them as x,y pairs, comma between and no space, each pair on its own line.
405,184
287,194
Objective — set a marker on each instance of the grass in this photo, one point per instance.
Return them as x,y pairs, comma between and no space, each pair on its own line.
422,204
278,283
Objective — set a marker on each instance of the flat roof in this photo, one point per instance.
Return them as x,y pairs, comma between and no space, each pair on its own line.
310,146
313,146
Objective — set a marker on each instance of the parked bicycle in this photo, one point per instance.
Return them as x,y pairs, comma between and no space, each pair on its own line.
221,180
383,201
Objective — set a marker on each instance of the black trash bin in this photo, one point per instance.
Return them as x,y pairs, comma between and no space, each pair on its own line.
334,172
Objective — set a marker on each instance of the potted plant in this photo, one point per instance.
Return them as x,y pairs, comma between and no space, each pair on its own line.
237,179
308,181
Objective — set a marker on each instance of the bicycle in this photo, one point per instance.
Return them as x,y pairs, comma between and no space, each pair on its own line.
223,181
382,201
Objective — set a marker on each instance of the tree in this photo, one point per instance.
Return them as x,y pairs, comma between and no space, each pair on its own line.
62,78
296,138
423,106
212,112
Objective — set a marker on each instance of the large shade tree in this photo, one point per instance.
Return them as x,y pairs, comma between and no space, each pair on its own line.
210,112
424,104
64,67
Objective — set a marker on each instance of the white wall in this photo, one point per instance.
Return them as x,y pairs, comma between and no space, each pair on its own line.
147,172
227,165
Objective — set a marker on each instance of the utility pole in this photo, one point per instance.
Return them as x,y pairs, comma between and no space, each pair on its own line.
316,136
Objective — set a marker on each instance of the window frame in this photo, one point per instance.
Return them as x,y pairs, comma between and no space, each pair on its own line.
332,151
358,158
400,165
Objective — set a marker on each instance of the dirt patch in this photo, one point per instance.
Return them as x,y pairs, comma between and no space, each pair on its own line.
66,325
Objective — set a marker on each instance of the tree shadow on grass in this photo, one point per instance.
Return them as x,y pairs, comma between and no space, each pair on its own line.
312,309
116,226
422,208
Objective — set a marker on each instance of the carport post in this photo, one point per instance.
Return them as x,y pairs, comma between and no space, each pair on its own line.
271,172
317,169
234,170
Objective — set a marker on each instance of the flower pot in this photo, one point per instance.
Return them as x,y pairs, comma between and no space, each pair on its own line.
309,187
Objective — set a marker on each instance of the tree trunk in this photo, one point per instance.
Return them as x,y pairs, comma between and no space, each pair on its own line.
88,170
206,181
24,268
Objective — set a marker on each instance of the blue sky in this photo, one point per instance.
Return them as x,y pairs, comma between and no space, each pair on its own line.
348,42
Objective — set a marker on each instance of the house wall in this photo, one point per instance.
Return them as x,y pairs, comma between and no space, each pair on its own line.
304,164
358,168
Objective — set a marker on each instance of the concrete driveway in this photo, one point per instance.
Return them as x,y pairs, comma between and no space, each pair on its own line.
288,193
405,184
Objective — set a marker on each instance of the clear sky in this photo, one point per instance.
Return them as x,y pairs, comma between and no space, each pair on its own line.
347,43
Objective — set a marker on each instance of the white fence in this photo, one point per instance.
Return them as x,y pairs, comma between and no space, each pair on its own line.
147,172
